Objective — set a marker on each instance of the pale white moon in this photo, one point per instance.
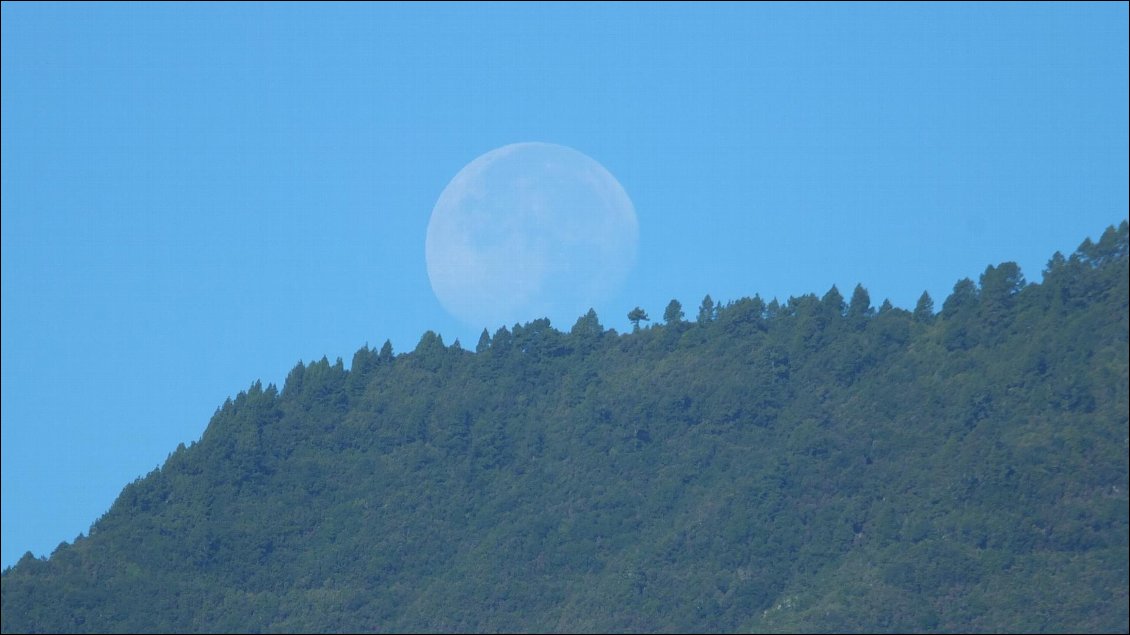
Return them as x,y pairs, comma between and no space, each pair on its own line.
527,231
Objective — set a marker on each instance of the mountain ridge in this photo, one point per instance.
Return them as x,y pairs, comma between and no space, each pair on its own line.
812,465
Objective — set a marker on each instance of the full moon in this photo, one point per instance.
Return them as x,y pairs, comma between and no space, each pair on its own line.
527,231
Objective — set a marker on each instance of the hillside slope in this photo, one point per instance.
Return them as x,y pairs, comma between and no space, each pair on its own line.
809,466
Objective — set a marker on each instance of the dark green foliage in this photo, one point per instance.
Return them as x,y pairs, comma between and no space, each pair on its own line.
860,306
673,314
924,310
635,316
587,326
811,466
386,352
484,342
706,310
833,303
960,329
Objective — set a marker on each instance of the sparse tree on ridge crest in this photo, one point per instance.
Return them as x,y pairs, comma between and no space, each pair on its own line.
635,316
706,310
924,310
674,312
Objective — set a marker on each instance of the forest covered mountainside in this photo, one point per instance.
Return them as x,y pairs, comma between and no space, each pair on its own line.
813,465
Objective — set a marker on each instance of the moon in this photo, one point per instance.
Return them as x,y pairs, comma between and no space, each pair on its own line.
528,231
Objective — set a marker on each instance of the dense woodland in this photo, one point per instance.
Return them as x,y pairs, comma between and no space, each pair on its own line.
813,465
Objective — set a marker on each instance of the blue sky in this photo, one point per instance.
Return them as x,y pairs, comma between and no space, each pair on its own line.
196,196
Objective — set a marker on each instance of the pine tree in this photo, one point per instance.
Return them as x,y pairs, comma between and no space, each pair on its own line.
484,342
860,306
674,312
706,310
635,316
924,310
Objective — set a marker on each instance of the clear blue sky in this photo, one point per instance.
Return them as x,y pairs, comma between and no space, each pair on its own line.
196,196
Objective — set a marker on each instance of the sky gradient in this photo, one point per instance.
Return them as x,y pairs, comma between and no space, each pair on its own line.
197,196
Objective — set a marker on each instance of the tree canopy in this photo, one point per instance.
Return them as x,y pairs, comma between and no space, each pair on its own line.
796,466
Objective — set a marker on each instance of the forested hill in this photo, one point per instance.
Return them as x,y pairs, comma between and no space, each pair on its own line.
815,465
